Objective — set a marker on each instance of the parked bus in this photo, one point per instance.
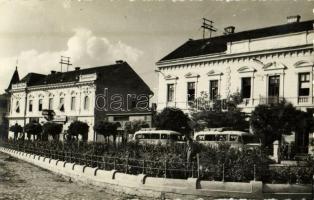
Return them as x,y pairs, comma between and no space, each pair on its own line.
236,139
152,136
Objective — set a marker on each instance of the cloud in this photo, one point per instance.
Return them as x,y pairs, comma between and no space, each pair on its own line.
84,48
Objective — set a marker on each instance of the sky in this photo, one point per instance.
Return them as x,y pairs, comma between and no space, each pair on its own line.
35,33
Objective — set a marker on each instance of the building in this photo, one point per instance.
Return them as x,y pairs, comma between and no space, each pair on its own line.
114,92
264,65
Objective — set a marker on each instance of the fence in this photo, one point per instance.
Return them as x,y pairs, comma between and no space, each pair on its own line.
182,170
127,165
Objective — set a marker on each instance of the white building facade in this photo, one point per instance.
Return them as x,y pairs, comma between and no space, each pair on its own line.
263,65
72,96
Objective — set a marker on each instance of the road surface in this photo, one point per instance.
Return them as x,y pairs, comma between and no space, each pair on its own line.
21,180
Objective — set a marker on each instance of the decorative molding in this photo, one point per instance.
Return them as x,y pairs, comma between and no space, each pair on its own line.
303,63
171,77
61,94
214,73
191,75
274,66
246,69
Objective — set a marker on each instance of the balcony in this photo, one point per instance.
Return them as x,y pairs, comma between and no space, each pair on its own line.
271,100
303,99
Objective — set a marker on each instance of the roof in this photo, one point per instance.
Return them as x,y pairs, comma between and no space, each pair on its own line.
158,131
113,75
219,44
223,133
15,79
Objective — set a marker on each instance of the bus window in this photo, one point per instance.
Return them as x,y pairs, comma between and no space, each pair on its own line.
146,136
175,137
139,136
164,136
200,138
250,139
209,137
233,138
155,136
221,137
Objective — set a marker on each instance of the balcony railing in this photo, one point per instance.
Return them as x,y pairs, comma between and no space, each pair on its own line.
303,99
270,100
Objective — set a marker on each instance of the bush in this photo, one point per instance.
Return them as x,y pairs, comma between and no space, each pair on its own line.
53,129
77,128
16,129
33,128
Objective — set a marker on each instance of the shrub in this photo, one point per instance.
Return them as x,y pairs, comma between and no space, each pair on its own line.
16,129
77,128
53,129
33,128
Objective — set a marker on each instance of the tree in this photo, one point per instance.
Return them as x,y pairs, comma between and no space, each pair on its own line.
173,119
270,122
16,129
106,129
131,127
77,128
53,129
235,120
33,128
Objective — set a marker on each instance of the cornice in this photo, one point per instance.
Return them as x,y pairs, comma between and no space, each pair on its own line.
226,56
54,86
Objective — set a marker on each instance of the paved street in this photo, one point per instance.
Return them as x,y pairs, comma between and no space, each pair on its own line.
20,180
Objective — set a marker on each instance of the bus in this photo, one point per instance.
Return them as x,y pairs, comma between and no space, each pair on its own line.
236,139
163,137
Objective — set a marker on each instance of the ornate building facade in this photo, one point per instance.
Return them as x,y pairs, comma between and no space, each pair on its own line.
264,65
114,92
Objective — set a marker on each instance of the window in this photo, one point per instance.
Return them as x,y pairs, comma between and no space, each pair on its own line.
213,89
246,87
61,104
304,84
50,105
191,91
40,105
17,107
30,106
170,92
233,138
86,103
73,100
273,86
121,118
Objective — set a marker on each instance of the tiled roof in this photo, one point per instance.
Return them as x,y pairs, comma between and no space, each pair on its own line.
219,44
116,75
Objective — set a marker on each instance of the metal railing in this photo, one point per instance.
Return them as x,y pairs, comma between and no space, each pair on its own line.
203,170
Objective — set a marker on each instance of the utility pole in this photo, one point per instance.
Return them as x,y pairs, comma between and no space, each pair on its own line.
65,61
208,25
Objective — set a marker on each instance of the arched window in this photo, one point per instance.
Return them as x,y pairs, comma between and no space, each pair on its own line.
17,107
73,100
40,105
86,103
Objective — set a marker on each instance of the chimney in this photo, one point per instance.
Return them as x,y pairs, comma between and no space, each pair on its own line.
119,61
77,68
293,19
229,30
53,71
